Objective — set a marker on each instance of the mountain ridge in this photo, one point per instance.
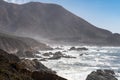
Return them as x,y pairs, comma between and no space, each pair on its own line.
52,22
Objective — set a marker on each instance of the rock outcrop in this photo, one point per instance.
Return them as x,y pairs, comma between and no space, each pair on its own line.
78,49
12,68
57,55
102,75
34,65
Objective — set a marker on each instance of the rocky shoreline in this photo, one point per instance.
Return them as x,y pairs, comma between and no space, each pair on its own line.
13,68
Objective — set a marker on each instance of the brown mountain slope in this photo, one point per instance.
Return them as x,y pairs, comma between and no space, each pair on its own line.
12,44
53,22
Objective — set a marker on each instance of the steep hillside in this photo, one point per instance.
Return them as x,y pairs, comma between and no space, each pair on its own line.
53,22
12,44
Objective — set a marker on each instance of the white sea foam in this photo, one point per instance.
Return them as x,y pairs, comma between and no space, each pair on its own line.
78,68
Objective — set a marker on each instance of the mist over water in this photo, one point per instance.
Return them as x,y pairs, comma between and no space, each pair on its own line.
85,62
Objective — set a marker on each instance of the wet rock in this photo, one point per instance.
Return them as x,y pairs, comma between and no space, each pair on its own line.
83,54
72,48
58,48
59,55
54,58
56,55
102,75
43,59
78,49
48,54
67,56
83,48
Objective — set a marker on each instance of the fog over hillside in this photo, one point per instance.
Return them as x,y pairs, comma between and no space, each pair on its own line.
52,22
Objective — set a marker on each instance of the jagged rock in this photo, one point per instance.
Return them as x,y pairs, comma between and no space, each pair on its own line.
58,55
48,54
14,70
102,75
67,56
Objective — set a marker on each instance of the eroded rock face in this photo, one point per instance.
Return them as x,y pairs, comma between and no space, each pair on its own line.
12,68
102,75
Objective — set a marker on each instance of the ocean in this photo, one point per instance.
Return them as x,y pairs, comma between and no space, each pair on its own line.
85,62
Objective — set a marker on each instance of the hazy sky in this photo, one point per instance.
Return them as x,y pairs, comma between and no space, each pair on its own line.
101,13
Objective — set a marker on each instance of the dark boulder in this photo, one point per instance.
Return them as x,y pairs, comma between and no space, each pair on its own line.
48,54
57,55
83,48
68,56
102,75
72,48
